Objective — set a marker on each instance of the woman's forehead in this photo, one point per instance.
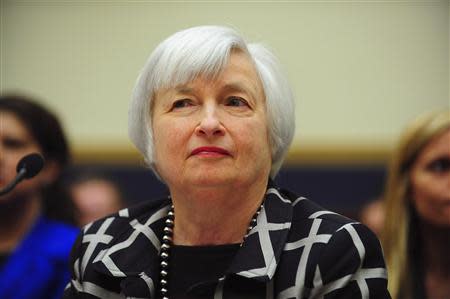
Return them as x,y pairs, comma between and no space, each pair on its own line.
438,145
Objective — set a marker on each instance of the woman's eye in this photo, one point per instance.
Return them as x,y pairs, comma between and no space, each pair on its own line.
13,143
181,104
236,102
440,165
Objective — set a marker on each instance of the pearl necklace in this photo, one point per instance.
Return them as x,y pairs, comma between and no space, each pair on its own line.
167,242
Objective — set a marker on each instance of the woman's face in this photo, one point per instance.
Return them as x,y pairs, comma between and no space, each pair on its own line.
15,143
213,133
430,178
95,199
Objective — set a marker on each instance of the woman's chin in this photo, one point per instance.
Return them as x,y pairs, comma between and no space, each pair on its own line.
211,178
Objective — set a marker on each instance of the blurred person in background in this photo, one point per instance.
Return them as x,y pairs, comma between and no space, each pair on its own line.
372,214
214,117
95,195
36,216
416,237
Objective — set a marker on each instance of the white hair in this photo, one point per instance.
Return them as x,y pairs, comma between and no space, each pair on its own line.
205,51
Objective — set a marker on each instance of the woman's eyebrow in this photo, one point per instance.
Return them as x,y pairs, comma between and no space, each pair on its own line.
231,86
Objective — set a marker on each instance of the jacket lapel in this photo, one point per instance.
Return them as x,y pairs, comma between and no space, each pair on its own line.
260,253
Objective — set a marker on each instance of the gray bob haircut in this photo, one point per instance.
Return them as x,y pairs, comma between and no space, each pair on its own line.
205,51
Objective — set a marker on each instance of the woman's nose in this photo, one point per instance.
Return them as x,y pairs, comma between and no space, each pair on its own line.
210,124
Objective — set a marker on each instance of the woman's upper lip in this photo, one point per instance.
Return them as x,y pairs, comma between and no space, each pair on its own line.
210,149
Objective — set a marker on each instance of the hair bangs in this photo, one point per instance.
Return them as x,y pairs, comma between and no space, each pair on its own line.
187,66
188,55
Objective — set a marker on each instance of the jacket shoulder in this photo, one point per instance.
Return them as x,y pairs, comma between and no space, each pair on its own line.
341,257
136,212
109,249
305,210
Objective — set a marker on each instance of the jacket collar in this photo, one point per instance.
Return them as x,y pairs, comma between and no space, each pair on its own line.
260,253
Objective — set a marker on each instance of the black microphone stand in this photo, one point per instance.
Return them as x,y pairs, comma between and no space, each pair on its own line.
19,177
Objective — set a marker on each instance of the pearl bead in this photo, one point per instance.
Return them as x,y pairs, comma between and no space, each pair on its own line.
167,240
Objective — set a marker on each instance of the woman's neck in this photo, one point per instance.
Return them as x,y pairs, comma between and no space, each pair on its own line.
17,215
435,243
435,247
214,216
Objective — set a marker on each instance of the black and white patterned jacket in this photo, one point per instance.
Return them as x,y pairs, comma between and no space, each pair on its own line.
296,250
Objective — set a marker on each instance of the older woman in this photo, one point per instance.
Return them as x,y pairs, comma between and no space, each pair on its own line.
417,218
214,118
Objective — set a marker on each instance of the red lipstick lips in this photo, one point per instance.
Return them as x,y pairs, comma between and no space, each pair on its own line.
209,150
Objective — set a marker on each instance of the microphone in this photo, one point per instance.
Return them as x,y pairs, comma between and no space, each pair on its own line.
28,167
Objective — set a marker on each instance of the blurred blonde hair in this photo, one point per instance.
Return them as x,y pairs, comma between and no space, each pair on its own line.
395,236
